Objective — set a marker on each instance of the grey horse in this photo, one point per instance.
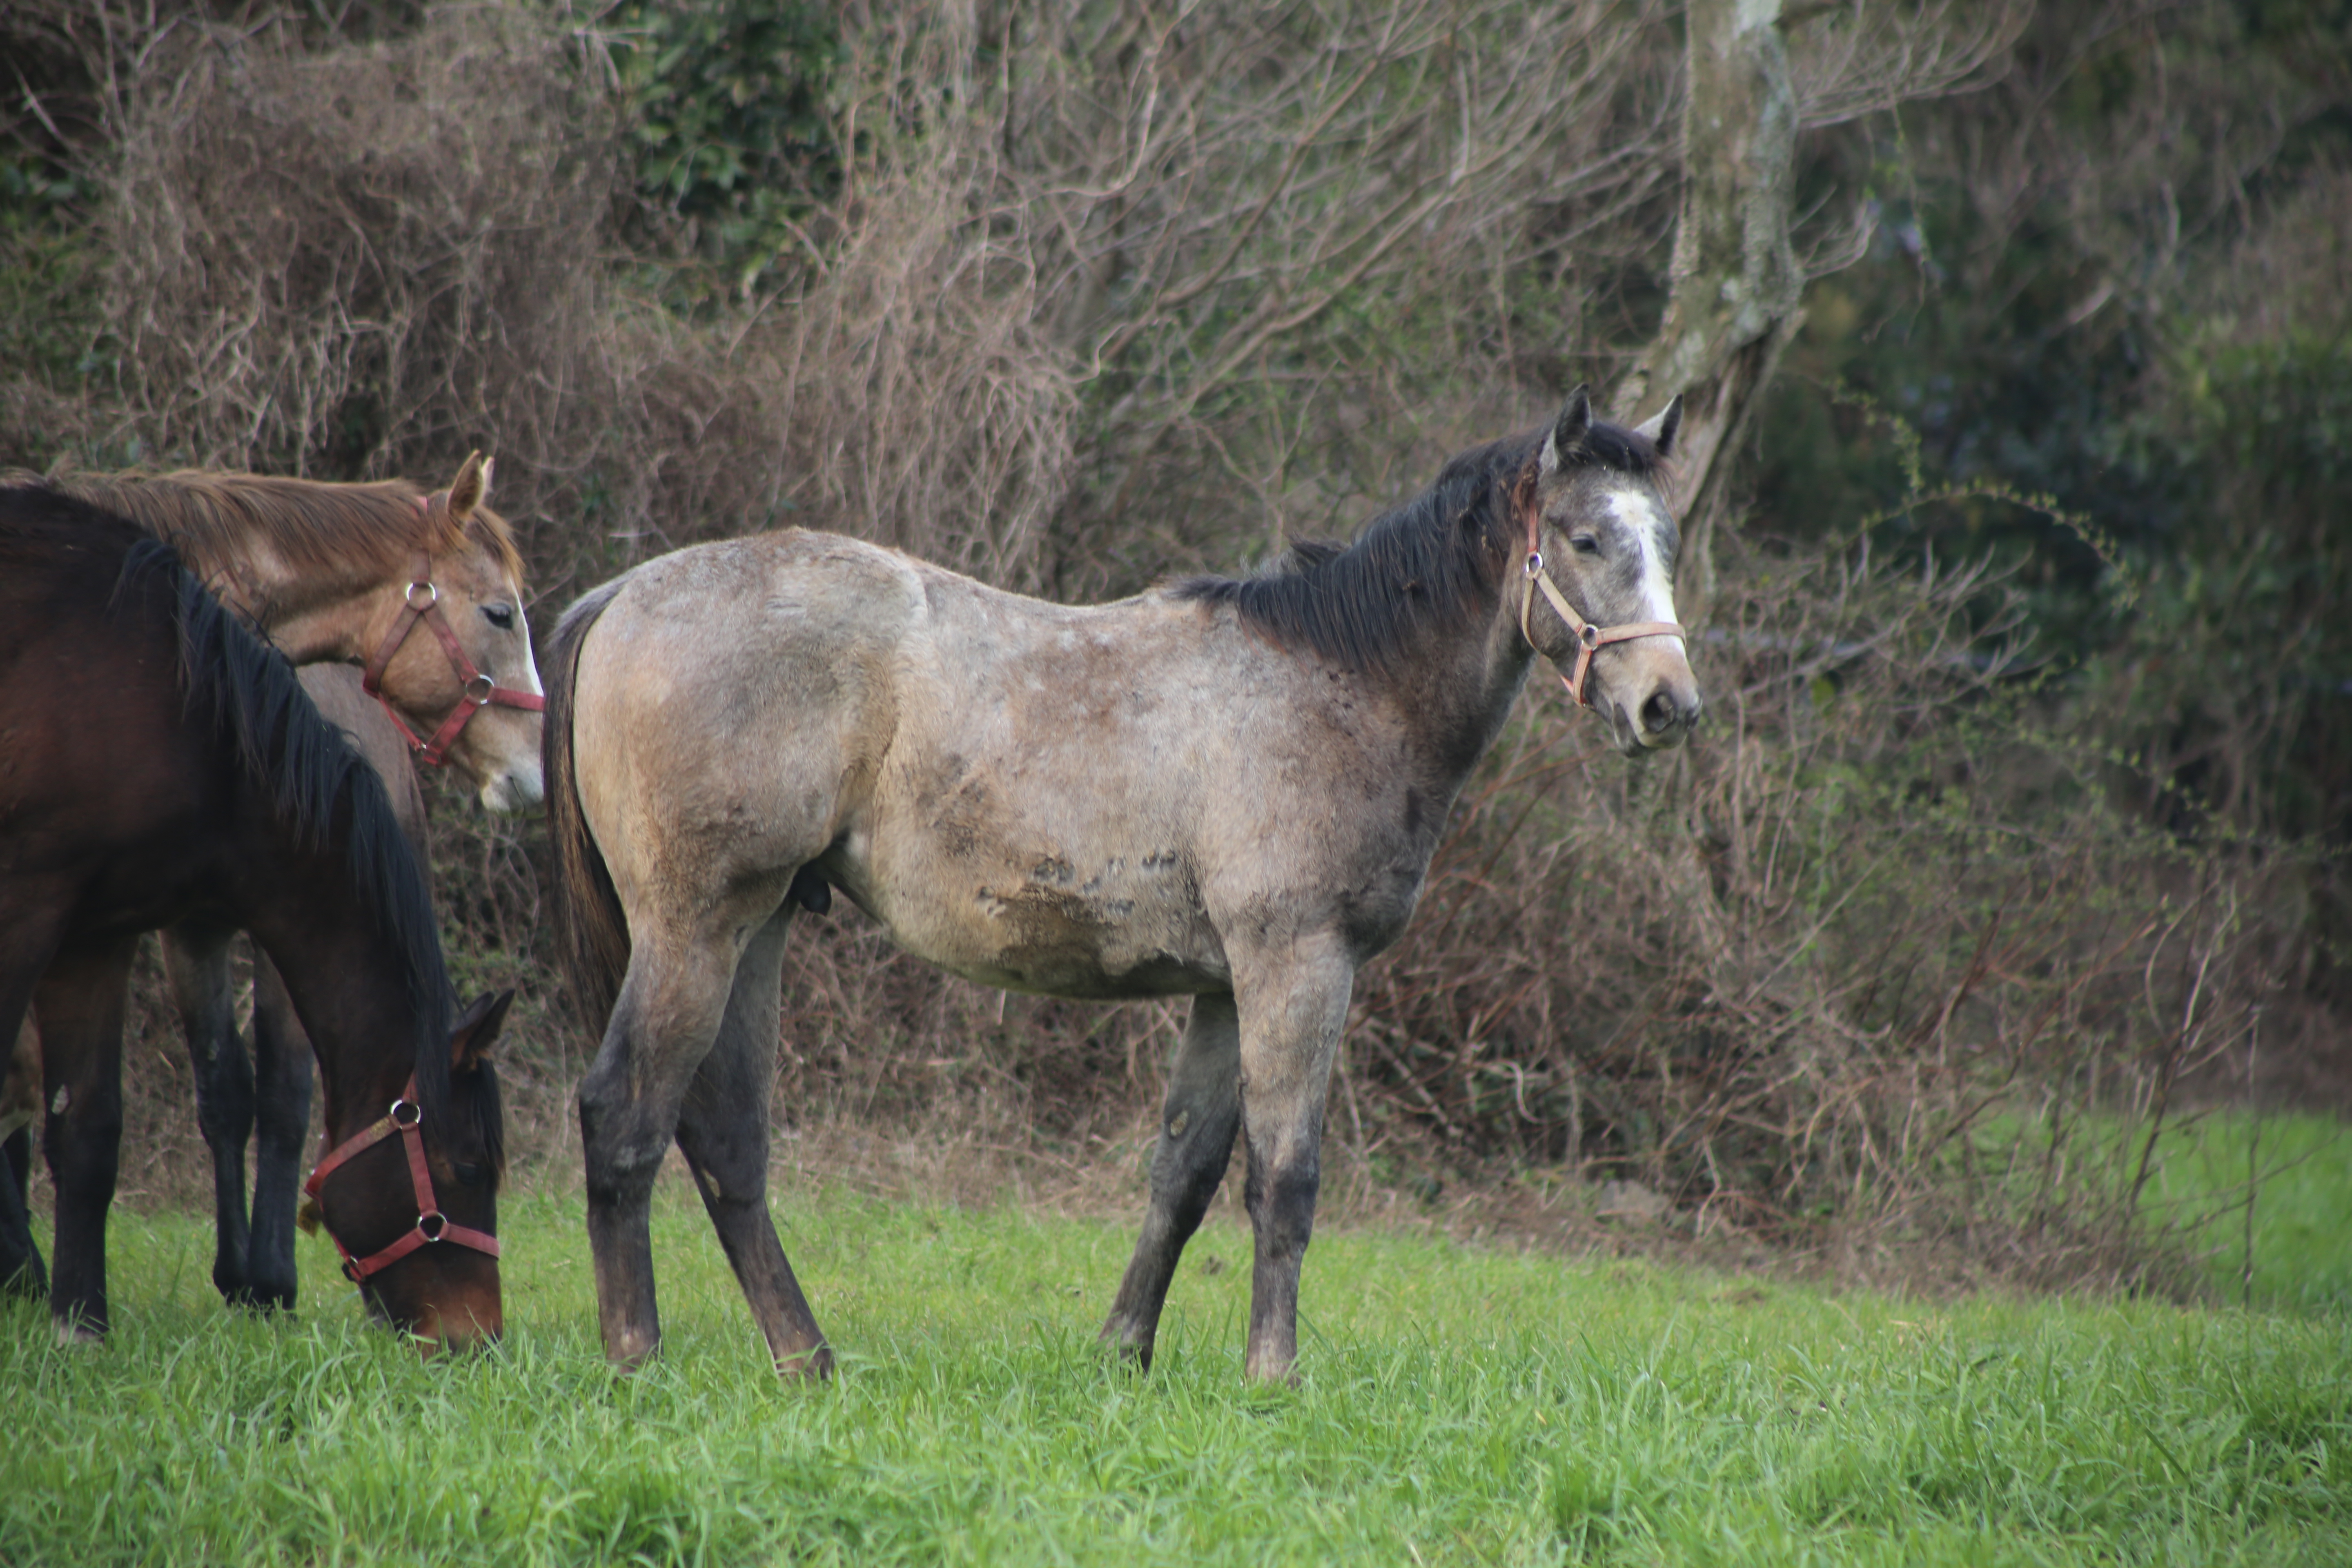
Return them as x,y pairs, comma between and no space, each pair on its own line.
1226,789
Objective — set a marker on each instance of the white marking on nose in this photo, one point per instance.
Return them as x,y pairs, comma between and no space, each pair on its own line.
1647,521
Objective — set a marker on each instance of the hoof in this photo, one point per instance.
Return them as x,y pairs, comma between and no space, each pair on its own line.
630,1351
808,1366
1126,1343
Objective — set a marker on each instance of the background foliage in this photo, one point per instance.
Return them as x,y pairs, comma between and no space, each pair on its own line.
2023,805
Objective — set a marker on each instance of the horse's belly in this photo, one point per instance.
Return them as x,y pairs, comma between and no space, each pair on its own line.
1052,932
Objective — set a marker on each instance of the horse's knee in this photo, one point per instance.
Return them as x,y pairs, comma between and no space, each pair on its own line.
621,1142
1281,1201
1189,1160
225,1108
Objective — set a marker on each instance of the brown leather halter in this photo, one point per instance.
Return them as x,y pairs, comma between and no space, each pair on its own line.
1590,638
479,691
405,1120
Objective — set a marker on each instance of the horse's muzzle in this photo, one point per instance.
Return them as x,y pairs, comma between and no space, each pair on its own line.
1664,719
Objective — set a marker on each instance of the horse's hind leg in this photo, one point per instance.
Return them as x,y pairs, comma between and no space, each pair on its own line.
723,1129
79,1001
281,1119
666,1017
196,960
1196,1138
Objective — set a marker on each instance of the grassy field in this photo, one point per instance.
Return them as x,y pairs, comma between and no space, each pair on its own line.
1457,1405
2300,1241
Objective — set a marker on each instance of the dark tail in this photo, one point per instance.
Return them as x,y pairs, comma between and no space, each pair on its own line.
594,933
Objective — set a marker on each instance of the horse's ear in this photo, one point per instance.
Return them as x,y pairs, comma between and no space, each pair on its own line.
1661,426
472,483
1567,437
477,1029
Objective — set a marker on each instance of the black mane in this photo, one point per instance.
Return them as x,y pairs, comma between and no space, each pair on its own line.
304,765
1434,564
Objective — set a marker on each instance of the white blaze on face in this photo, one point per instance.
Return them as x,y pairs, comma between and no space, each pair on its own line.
1647,522
530,663
520,784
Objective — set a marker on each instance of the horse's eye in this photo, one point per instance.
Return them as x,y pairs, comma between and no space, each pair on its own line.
1585,544
468,1173
500,616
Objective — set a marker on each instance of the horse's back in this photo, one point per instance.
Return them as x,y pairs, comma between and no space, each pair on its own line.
95,747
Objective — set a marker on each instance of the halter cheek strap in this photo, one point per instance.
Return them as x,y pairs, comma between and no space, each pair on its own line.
1590,638
478,690
403,1120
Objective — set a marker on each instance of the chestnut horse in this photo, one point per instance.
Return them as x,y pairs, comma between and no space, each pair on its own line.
164,767
325,570
1224,789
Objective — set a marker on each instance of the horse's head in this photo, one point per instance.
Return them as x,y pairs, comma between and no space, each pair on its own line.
1606,544
470,693
416,1246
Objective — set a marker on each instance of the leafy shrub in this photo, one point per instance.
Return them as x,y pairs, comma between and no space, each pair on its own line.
728,121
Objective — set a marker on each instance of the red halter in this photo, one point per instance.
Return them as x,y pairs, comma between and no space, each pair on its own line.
1590,638
424,603
405,1120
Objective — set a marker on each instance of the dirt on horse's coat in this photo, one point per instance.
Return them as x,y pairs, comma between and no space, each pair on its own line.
1230,789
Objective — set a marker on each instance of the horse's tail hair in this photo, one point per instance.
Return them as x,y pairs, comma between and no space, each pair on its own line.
594,931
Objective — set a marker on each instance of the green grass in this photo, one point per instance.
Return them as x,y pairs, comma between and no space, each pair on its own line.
2302,1239
1457,1405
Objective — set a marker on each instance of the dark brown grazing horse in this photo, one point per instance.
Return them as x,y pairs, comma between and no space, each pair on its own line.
159,765
326,571
1226,790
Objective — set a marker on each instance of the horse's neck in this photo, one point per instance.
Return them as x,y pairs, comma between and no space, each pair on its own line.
347,983
1458,699
311,615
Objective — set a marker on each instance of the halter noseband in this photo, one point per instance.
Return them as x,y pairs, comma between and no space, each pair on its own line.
405,1120
1590,638
478,690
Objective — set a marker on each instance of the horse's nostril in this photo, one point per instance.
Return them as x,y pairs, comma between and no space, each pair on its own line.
1659,712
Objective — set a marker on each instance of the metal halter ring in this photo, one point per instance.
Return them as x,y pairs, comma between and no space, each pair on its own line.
432,597
416,1113
479,689
1535,561
432,1224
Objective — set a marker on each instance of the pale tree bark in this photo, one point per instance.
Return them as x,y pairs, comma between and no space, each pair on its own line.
1735,278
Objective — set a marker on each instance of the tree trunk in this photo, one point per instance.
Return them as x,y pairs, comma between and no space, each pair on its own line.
1736,282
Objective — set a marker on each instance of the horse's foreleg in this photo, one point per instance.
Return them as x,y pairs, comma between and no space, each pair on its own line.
196,960
79,1001
1197,1122
281,1119
723,1129
1292,1011
21,1271
662,1027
